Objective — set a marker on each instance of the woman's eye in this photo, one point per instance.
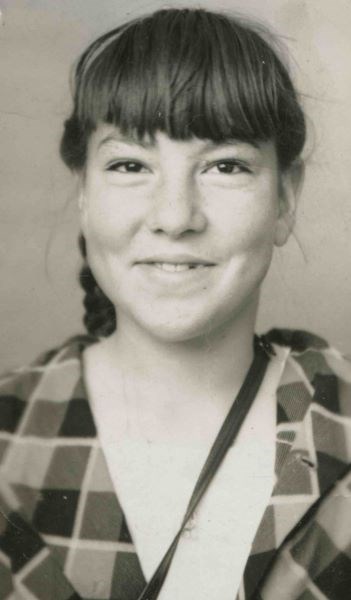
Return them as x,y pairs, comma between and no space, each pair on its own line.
228,167
127,166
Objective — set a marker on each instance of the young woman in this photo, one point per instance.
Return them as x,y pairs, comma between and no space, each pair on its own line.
176,455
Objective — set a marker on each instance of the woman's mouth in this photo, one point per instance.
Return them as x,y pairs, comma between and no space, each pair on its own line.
177,267
172,273
175,273
175,262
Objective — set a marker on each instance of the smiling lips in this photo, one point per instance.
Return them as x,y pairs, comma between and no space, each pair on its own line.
176,268
176,263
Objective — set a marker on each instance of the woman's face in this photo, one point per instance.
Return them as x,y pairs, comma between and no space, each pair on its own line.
180,234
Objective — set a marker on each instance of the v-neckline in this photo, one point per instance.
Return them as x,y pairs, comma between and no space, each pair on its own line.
117,489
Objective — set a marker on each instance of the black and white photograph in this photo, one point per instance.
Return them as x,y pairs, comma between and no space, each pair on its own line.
175,300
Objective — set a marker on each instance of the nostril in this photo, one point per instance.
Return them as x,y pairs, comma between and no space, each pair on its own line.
177,224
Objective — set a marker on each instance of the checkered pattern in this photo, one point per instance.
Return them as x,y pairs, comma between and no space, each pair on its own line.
62,530
63,535
301,550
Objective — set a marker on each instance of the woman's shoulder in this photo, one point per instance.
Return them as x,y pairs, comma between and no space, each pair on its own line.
315,355
316,375
298,340
58,357
51,379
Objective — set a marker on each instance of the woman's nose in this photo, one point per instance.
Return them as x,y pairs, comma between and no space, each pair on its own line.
177,209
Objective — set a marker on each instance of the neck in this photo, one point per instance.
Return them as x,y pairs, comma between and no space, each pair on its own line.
213,363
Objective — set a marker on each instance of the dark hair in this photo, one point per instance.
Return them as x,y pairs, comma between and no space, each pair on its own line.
186,72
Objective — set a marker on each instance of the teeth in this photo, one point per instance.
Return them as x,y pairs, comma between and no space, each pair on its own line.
175,268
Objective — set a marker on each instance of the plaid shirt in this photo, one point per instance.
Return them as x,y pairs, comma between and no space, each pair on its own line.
63,534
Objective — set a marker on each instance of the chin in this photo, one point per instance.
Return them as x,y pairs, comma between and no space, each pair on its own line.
189,325
174,330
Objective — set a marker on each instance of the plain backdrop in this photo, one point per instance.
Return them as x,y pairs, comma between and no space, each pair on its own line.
309,284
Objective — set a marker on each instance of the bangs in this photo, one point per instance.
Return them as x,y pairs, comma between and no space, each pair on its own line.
186,73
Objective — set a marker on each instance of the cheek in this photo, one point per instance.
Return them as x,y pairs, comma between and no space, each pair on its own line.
104,233
249,228
110,223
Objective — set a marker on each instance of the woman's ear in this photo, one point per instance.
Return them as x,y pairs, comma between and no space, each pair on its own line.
290,186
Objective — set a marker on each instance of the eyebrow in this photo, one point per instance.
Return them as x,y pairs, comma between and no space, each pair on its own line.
147,144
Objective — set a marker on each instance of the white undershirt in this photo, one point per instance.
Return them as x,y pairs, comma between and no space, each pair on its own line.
211,557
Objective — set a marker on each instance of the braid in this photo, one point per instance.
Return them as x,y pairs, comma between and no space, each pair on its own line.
100,314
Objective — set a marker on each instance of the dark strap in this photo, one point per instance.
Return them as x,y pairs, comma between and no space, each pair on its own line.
221,445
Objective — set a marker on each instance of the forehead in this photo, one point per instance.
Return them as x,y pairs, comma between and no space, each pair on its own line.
108,136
